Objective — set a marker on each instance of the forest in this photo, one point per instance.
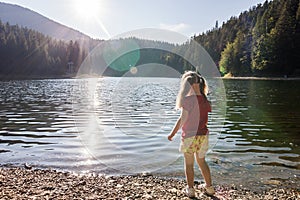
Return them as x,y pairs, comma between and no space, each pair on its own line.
263,41
25,53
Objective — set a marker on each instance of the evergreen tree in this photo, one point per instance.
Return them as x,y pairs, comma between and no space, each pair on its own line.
284,34
227,59
295,52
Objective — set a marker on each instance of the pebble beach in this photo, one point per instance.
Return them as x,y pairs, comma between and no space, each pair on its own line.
24,183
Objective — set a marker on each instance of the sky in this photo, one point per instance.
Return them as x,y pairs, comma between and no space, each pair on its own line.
104,19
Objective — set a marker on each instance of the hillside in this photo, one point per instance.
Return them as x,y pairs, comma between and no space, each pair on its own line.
27,54
263,41
17,15
33,46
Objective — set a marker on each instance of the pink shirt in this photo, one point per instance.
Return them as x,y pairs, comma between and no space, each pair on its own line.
196,123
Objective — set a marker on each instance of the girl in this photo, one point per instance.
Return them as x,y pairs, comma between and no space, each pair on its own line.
194,106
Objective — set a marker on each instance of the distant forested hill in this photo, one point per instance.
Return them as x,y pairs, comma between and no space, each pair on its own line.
33,46
24,17
264,41
26,53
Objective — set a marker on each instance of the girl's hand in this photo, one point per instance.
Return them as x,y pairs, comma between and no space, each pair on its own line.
175,129
170,137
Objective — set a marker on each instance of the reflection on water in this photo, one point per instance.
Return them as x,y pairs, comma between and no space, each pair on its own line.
263,119
261,129
46,123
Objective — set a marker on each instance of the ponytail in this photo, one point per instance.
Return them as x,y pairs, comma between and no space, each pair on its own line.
203,87
187,80
185,87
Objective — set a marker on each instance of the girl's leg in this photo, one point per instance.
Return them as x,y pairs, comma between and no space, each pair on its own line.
189,169
204,170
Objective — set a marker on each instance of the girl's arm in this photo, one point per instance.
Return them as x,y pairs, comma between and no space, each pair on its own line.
180,121
175,129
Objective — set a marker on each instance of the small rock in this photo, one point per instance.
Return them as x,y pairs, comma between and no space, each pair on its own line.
111,181
173,190
147,196
272,182
27,166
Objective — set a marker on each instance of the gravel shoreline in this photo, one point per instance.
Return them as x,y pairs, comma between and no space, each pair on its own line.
22,183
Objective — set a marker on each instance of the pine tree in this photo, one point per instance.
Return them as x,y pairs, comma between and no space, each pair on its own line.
284,33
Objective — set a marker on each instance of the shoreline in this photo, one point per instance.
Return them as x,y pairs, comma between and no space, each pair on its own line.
13,78
262,78
34,183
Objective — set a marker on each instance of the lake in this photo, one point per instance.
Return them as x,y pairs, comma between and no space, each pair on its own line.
120,126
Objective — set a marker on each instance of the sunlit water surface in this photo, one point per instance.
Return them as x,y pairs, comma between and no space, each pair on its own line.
120,125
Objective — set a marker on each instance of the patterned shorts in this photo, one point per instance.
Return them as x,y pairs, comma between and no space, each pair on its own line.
195,144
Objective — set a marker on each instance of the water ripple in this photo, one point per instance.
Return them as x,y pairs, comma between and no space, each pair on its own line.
42,121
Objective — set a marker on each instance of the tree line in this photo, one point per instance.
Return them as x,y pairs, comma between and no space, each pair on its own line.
25,53
263,41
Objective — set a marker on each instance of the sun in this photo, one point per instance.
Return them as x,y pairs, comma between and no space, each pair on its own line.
91,14
87,8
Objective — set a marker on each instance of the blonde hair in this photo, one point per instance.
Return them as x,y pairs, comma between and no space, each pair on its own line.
187,80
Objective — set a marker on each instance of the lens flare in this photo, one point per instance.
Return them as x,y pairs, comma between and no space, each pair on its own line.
124,121
121,56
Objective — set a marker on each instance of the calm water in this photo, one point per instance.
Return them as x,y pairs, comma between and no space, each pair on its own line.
119,125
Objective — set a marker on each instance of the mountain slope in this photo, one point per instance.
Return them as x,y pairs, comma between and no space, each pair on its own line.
14,14
264,41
